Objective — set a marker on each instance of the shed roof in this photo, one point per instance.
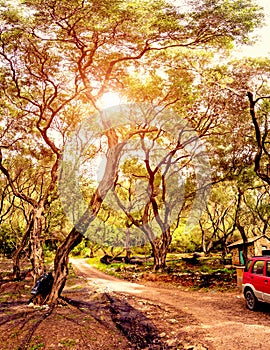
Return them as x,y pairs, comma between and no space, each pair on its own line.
249,241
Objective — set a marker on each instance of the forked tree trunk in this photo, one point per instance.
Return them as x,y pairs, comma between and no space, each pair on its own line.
159,259
160,250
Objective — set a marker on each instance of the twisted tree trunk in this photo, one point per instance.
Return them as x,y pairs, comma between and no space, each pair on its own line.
76,234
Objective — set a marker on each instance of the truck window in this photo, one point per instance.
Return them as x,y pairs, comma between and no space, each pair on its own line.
268,269
248,265
258,267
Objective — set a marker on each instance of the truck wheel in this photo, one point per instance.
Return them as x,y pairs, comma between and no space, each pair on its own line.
251,300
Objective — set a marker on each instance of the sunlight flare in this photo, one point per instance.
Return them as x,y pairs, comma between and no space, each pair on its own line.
109,99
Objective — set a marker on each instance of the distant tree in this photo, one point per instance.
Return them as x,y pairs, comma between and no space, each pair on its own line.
218,222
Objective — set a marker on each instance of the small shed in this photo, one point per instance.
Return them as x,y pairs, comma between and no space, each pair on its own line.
255,246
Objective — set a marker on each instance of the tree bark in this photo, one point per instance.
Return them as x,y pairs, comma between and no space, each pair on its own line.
76,234
61,264
241,228
160,250
35,244
17,255
159,257
128,250
245,240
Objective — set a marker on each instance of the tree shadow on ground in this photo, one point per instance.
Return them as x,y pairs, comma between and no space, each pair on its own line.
113,315
19,319
133,324
19,323
138,329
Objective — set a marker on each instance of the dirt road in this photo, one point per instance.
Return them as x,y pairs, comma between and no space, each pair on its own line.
206,320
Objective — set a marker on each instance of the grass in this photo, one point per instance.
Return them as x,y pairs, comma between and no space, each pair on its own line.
37,346
39,343
112,269
67,342
205,265
207,274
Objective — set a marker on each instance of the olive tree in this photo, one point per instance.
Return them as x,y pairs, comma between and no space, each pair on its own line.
58,55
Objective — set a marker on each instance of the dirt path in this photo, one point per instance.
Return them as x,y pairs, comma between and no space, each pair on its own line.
207,320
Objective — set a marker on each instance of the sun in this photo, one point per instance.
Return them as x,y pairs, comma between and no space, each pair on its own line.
109,99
